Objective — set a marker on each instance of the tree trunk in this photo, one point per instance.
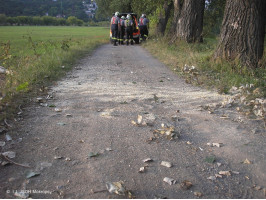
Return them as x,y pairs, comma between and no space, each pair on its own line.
190,22
164,17
177,9
243,30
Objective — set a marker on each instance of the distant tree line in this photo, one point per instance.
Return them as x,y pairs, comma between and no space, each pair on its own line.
40,21
66,8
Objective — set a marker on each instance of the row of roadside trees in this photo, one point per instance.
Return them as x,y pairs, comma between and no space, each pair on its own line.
241,27
40,21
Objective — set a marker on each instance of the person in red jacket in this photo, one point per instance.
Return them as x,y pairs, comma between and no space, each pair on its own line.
115,25
143,26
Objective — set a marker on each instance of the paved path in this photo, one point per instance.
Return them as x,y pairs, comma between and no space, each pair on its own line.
103,94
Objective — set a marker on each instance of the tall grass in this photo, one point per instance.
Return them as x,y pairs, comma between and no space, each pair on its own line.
35,56
220,75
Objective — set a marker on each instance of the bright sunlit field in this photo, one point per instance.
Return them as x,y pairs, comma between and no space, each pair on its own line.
35,55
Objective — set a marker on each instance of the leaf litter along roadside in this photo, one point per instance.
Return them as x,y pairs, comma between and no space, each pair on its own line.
166,130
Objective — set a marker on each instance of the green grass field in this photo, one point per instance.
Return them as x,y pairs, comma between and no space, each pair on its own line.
35,55
19,35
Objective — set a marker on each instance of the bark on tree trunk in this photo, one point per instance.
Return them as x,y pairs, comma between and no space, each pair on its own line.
243,31
177,9
164,17
190,22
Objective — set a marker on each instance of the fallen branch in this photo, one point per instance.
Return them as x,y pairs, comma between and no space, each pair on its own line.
7,124
11,161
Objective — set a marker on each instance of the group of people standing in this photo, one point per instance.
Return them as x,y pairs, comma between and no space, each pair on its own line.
124,26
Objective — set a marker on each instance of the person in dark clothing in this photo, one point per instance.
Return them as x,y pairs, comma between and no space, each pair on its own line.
129,30
115,25
143,26
122,30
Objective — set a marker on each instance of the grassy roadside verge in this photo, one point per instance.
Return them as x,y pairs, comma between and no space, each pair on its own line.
221,75
36,56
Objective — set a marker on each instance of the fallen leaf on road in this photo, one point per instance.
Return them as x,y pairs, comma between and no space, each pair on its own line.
170,181
147,160
31,174
256,187
8,137
212,178
116,187
247,162
93,155
58,110
61,124
2,143
166,164
225,117
39,99
198,194
109,149
214,144
225,173
217,144
155,98
186,185
9,154
142,170
130,195
4,163
139,119
169,132
134,123
218,176
219,164
210,159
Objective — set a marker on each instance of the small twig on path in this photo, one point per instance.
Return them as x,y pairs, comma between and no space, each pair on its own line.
11,161
20,109
7,124
93,192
